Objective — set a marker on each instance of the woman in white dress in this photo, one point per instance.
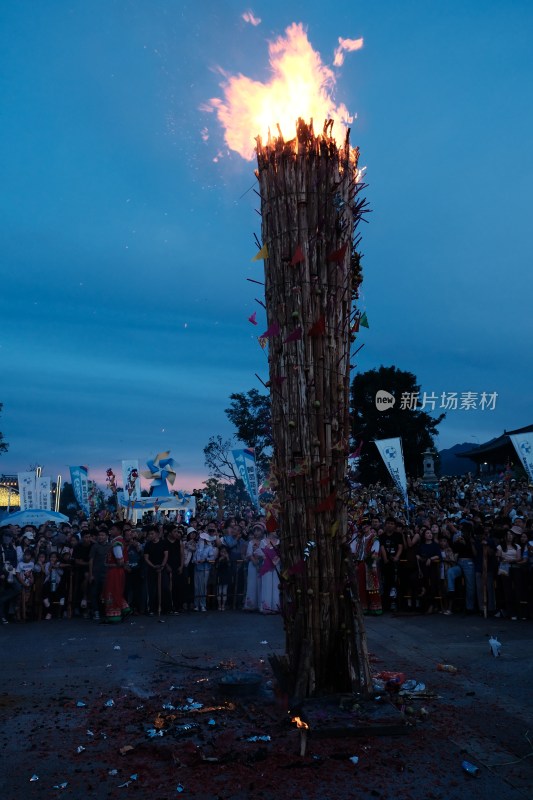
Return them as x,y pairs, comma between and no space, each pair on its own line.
269,573
254,558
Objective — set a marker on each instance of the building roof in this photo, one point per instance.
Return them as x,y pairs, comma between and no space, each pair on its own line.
497,449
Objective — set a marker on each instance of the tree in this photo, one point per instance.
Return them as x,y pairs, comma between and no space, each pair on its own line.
67,501
415,427
3,445
251,415
212,489
218,459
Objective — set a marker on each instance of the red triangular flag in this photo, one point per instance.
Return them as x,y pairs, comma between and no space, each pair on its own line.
273,330
297,569
298,256
294,336
271,523
319,328
355,326
338,255
328,504
253,319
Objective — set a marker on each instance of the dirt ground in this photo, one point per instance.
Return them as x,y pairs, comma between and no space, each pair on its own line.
101,709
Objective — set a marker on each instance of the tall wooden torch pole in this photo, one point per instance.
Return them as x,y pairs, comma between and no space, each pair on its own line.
310,207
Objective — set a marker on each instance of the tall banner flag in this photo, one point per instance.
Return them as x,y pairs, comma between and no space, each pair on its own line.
523,444
27,490
391,452
245,462
80,483
43,495
131,488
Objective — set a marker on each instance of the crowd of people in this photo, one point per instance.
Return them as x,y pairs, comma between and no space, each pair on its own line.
109,569
466,546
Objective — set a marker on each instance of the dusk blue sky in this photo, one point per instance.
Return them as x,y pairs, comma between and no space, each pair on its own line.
125,246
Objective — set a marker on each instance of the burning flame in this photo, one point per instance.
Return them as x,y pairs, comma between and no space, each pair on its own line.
301,86
300,723
345,44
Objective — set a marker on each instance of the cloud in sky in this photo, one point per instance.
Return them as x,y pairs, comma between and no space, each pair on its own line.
249,16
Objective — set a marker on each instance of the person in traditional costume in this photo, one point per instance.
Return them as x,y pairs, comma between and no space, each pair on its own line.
364,544
115,605
254,558
269,573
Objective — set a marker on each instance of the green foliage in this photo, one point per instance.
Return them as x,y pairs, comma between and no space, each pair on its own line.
416,428
250,413
212,487
67,502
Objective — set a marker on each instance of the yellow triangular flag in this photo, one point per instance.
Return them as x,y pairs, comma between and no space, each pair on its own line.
263,253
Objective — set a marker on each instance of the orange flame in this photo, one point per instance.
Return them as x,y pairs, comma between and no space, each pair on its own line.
300,723
301,86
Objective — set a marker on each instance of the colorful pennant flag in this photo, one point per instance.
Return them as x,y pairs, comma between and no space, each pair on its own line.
262,254
298,256
253,318
328,504
272,330
294,336
319,327
338,255
364,321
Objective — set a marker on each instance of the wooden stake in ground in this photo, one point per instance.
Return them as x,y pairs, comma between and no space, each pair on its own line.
310,207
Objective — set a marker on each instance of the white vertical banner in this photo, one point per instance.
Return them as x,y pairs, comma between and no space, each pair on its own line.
245,463
27,490
130,465
43,486
523,444
391,452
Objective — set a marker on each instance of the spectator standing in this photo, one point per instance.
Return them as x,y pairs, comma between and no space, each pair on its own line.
391,547
97,569
53,586
254,559
133,570
463,547
509,556
189,549
155,559
428,557
115,605
204,557
365,548
10,588
176,557
223,577
81,557
269,572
